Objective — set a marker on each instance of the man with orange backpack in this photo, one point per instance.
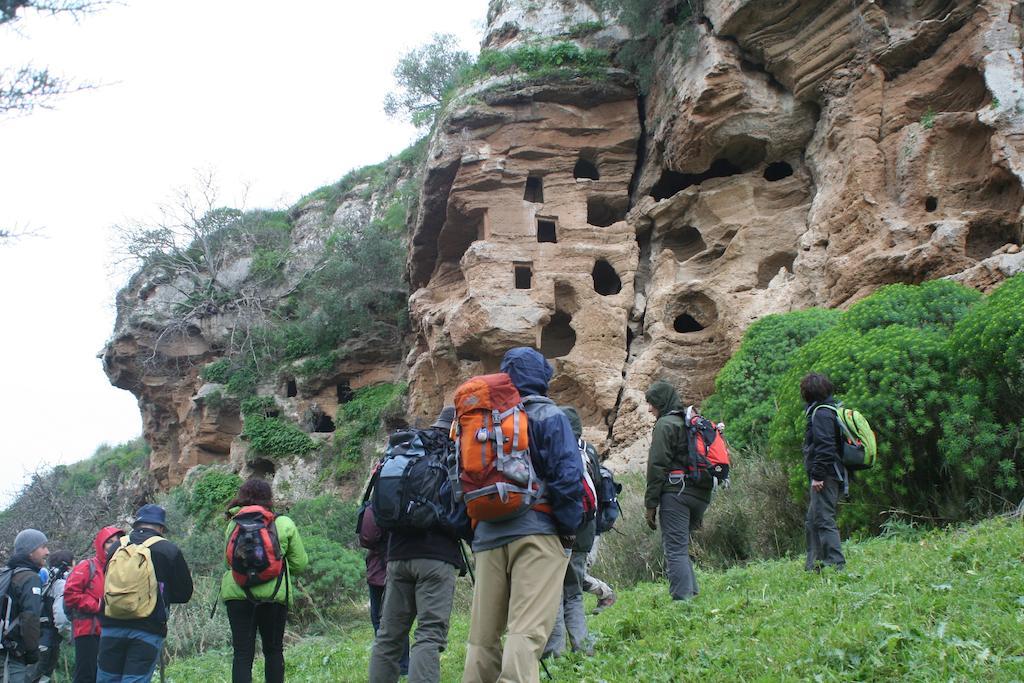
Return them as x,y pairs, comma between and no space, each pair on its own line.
527,505
675,487
83,595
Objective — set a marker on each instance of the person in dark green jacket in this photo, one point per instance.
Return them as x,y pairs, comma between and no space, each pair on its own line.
681,501
265,608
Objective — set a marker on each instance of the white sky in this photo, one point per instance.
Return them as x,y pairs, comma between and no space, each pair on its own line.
282,97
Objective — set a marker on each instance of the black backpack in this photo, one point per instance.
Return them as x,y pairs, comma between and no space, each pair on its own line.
608,509
407,491
9,613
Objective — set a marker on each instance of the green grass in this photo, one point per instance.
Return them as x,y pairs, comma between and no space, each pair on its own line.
923,606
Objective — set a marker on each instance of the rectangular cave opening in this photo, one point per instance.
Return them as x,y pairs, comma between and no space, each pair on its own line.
345,392
546,230
534,190
523,274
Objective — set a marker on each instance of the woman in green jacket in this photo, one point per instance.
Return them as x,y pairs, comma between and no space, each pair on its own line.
259,606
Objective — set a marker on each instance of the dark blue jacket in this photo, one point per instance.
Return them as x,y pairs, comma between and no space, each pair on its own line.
553,447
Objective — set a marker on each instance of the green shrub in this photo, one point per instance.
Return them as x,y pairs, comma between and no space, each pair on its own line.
217,372
359,420
276,437
334,572
938,303
328,517
541,60
745,387
209,496
107,461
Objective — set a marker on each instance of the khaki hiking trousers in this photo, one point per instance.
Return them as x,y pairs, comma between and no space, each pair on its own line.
518,590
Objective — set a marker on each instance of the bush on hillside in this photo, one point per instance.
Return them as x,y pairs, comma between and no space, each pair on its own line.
746,386
905,357
360,419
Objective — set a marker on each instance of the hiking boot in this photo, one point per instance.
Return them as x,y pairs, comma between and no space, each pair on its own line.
605,603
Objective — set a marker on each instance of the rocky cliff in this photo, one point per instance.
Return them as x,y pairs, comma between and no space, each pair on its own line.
772,155
786,155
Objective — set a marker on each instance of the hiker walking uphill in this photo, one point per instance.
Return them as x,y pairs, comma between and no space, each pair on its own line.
54,620
825,471
424,557
83,597
521,555
680,499
375,540
571,615
21,602
144,575
263,551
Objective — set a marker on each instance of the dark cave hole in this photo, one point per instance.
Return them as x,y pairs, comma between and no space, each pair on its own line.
671,182
345,392
585,169
534,190
291,389
603,211
546,231
558,338
323,423
777,171
686,323
930,204
523,275
606,280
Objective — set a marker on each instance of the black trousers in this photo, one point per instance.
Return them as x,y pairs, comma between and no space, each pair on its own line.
87,649
246,619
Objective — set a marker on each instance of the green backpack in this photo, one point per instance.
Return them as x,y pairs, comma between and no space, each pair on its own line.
860,449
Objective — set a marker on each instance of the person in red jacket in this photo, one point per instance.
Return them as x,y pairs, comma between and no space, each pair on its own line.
83,594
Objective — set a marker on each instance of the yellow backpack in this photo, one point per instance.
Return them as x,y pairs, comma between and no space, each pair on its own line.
130,587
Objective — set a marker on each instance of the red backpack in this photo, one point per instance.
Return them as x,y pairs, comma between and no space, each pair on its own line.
589,485
496,478
708,453
254,550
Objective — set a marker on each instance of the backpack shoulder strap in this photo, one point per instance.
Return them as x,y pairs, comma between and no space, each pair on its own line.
152,541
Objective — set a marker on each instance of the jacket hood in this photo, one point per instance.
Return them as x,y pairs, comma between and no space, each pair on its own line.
663,396
102,537
529,370
21,560
574,420
829,401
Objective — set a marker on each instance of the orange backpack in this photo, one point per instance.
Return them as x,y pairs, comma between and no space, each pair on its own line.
496,478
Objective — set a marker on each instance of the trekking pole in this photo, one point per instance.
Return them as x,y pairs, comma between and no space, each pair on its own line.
465,558
547,673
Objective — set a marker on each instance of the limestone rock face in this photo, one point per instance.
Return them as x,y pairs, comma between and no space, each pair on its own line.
156,352
788,154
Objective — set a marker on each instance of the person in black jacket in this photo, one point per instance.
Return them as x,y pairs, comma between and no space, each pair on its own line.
130,648
825,472
21,644
422,567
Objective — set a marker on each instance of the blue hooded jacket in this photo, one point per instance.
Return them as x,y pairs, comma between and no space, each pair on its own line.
553,446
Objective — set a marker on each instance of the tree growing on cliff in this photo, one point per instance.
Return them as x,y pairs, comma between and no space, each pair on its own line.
26,86
425,75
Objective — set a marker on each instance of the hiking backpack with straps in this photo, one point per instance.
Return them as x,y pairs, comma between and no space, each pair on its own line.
130,589
608,510
406,490
707,455
591,477
493,472
9,616
254,549
859,446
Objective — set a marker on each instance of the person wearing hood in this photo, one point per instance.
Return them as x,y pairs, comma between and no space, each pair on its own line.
83,594
521,562
25,592
130,648
681,502
825,472
571,615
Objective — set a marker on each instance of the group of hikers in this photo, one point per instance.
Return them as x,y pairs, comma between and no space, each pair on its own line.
504,469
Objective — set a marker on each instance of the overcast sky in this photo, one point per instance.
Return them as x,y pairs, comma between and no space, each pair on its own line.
279,97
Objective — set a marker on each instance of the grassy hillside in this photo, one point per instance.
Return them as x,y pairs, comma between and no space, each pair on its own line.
923,606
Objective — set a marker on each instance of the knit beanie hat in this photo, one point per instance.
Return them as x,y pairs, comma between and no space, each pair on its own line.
28,541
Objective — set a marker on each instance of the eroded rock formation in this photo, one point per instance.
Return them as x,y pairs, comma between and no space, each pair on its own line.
789,155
